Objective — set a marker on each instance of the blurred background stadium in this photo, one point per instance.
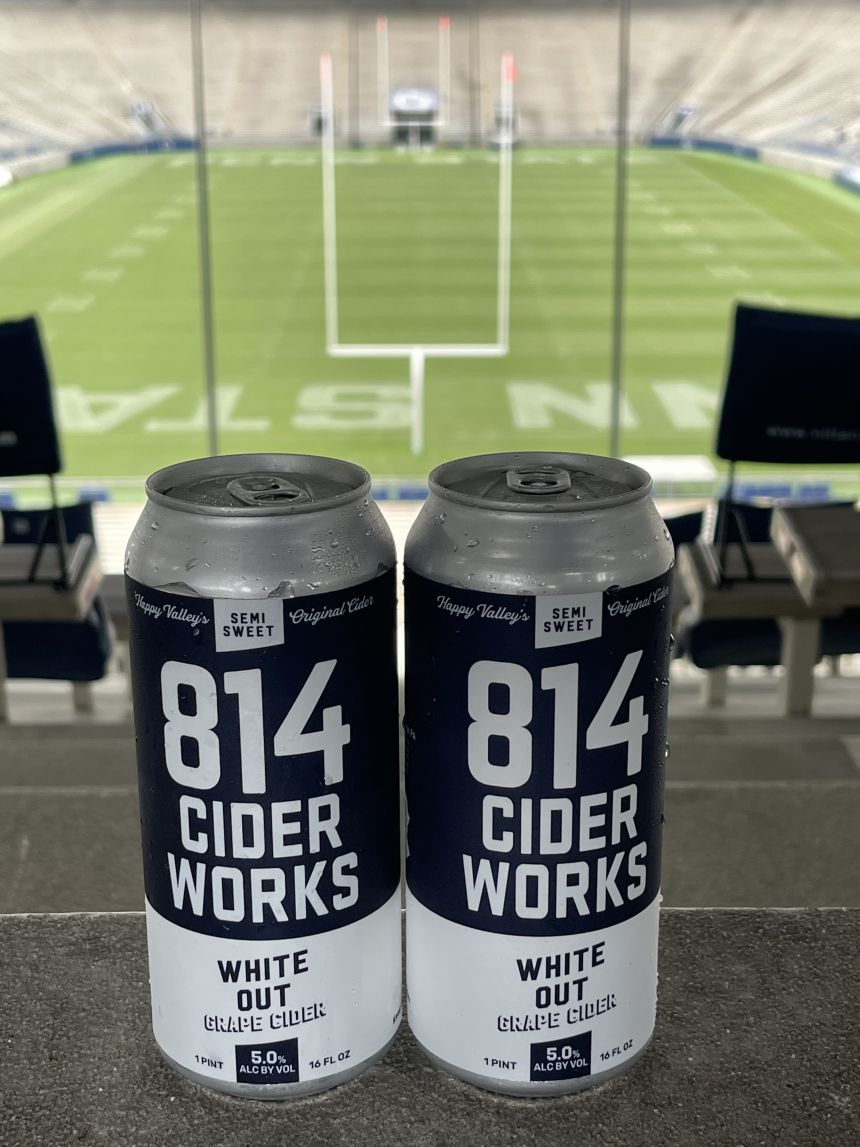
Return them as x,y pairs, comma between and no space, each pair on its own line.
744,129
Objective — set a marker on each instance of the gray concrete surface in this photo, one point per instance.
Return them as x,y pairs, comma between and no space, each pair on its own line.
70,850
768,844
752,819
757,1044
739,756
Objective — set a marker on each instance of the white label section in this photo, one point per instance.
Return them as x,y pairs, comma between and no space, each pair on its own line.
270,1012
531,1009
248,624
567,618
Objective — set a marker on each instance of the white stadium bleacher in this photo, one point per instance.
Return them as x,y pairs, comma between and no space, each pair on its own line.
778,72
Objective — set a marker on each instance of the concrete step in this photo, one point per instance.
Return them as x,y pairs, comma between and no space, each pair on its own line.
758,844
741,757
761,844
37,762
105,754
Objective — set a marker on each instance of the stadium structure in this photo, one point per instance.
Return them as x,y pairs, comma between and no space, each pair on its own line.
415,259
765,72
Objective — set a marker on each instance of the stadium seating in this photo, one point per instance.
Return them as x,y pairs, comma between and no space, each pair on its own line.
683,528
783,402
716,644
766,81
49,650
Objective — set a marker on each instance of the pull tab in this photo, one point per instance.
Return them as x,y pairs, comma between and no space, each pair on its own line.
540,480
265,490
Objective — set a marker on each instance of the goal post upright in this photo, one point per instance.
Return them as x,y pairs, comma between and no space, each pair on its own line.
416,353
417,360
383,71
444,79
329,205
382,76
506,139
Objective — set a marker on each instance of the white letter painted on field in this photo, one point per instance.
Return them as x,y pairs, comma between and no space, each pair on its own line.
93,412
226,401
687,405
341,406
534,406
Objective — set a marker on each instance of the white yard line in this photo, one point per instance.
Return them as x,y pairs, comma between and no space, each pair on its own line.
777,224
729,271
18,228
126,251
70,304
102,275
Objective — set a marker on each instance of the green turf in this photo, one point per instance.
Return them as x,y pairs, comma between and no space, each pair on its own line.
417,262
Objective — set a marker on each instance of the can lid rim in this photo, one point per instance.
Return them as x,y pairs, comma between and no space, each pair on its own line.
223,465
639,480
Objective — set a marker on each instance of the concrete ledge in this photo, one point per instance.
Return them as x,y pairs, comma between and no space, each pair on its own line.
76,847
756,1044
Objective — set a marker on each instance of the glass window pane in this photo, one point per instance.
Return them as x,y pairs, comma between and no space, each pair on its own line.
97,228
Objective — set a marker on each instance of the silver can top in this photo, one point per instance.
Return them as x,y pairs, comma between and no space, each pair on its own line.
242,485
539,482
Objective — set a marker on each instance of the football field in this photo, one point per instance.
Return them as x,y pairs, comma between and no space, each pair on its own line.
105,253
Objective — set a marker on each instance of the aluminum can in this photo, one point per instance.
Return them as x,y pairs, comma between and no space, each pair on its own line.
261,598
537,646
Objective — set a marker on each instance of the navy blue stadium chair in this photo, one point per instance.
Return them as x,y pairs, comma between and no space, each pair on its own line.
744,517
758,641
28,430
74,651
682,528
789,397
685,528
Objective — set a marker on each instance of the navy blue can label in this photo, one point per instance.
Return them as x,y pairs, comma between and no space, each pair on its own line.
535,748
268,771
